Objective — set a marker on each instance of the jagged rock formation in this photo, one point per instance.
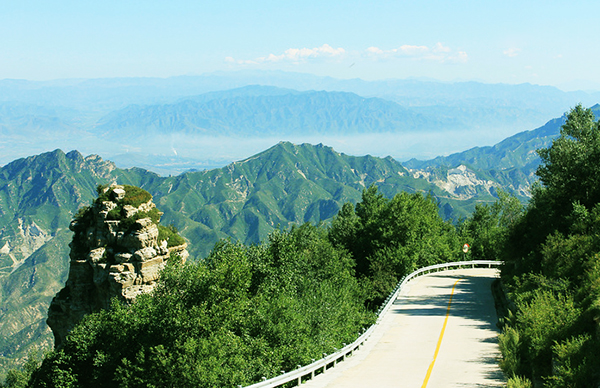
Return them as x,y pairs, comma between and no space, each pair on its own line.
118,250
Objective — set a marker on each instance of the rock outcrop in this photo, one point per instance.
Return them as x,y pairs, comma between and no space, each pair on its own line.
118,250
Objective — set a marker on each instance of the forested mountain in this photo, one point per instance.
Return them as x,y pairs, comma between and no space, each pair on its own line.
518,150
510,164
38,197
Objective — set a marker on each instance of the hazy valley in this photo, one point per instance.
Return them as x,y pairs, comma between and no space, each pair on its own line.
201,122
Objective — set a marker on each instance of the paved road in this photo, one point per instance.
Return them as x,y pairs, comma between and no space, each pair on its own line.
401,352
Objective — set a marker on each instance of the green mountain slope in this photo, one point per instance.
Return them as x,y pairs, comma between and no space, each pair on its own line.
510,164
38,197
517,150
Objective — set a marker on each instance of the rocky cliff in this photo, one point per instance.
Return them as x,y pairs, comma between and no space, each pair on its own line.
118,250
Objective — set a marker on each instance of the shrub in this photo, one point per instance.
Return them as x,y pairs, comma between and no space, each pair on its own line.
509,346
171,235
519,382
573,362
135,196
546,319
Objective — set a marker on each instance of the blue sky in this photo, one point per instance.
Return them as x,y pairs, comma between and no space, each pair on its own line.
543,42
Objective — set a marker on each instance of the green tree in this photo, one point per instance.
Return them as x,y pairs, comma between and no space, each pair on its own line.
570,176
552,263
389,238
570,166
486,230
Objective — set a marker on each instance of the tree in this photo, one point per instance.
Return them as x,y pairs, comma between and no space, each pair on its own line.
569,176
389,238
242,313
552,263
570,169
487,228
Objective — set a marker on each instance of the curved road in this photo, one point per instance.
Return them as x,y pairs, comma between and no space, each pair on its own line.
428,340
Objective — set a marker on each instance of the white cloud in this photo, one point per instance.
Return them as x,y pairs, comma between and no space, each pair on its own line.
437,52
512,52
375,50
294,55
440,48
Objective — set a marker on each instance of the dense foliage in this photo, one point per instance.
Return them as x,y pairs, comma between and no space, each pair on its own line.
552,270
243,313
487,229
389,238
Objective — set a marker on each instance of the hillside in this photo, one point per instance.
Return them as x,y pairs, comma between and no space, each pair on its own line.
38,197
510,164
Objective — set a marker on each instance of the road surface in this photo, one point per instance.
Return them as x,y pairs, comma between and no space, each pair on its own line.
440,332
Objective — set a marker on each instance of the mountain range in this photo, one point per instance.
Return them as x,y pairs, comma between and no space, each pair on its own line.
245,200
196,122
269,111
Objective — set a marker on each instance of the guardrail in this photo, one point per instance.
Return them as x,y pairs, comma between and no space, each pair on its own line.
330,360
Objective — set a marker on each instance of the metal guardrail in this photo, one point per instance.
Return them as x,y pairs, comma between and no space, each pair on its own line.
340,355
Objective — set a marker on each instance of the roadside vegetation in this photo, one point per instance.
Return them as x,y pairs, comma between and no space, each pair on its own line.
552,266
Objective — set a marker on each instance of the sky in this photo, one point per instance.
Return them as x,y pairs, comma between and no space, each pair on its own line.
541,42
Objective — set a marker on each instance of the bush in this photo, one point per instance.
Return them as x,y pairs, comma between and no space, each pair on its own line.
509,346
135,196
546,319
171,235
575,360
519,382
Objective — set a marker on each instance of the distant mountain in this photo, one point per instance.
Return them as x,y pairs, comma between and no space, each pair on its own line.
114,93
65,113
517,150
259,111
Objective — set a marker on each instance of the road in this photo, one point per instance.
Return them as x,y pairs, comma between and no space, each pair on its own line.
428,340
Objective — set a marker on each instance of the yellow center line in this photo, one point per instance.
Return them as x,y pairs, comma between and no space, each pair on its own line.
437,348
